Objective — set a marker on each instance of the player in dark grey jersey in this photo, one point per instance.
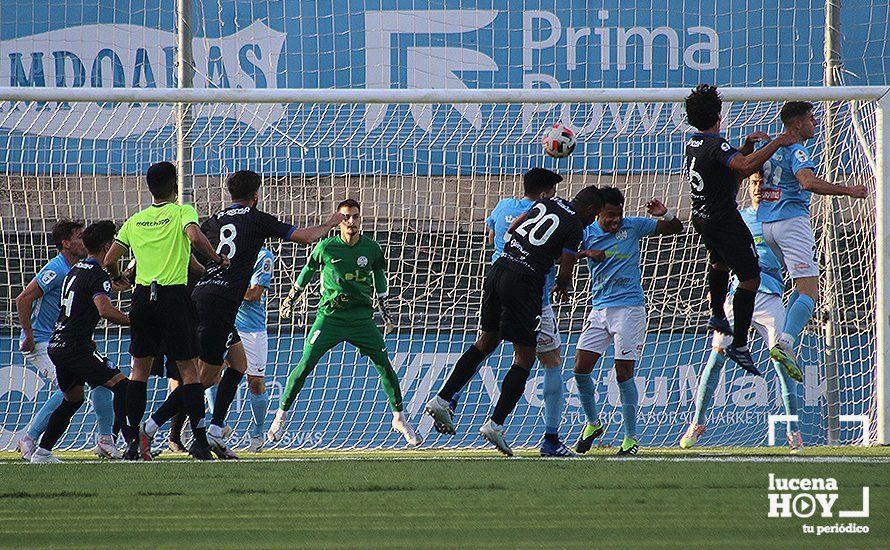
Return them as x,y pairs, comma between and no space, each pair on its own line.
511,304
714,168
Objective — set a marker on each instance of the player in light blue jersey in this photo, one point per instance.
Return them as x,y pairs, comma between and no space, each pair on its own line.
768,319
38,308
251,325
618,315
784,212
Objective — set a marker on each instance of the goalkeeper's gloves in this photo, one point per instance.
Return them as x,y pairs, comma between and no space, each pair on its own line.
388,325
289,302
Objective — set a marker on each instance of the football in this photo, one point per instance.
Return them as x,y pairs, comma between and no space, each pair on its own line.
558,140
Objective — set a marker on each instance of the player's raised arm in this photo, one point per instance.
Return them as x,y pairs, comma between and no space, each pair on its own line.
746,164
814,184
669,224
563,287
308,235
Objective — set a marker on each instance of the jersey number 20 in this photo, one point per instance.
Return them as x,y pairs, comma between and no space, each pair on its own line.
539,227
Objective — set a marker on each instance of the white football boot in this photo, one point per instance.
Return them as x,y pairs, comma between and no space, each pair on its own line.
401,425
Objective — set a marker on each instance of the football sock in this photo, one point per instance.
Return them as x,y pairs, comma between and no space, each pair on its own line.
511,390
554,401
58,423
587,396
789,394
799,314
718,286
41,417
225,394
193,407
119,406
176,424
707,385
742,311
168,409
259,407
389,381
628,393
136,396
102,400
463,372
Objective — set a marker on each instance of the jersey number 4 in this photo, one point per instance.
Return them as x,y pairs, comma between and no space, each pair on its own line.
539,227
68,297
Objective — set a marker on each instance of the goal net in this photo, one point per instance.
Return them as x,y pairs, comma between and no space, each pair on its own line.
427,175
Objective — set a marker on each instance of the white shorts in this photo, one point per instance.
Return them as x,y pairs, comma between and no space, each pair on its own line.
768,319
625,326
793,244
39,359
548,335
256,347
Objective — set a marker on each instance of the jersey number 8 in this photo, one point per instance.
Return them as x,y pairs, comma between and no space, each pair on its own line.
540,227
227,234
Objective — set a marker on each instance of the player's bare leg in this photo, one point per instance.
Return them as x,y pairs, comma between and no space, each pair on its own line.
464,371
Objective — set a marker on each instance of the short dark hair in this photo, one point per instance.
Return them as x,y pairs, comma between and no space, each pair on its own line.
243,184
98,234
703,106
538,180
589,196
63,230
611,195
349,203
161,179
793,110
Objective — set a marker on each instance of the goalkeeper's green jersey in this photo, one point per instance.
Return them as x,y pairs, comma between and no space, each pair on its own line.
350,276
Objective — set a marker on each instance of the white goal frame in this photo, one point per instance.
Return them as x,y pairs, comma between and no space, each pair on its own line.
879,94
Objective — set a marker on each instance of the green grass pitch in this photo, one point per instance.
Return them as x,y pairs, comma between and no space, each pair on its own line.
712,498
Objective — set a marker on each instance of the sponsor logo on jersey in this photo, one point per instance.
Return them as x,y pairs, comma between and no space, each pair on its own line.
233,212
362,261
153,223
771,195
48,277
621,234
725,146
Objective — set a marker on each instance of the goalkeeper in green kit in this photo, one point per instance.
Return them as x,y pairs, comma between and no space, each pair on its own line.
352,270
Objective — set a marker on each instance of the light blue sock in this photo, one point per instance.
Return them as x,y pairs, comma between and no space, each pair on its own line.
102,400
707,384
799,314
793,298
259,406
587,396
629,397
554,401
789,394
41,417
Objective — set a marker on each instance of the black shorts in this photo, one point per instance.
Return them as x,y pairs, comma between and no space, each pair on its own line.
729,241
166,326
165,367
76,368
216,327
511,305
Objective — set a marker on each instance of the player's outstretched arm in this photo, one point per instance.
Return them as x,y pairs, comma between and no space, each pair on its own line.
563,287
814,184
114,254
24,306
254,293
308,235
303,279
109,312
745,165
669,224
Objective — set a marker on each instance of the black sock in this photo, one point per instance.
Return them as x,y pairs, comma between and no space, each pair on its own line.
193,407
58,423
169,408
137,393
718,285
464,370
120,408
742,311
225,394
511,390
552,438
176,425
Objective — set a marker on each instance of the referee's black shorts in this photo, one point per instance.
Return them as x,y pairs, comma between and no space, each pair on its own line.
511,305
729,241
165,326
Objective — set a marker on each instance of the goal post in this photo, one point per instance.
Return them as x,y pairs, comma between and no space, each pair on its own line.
427,166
